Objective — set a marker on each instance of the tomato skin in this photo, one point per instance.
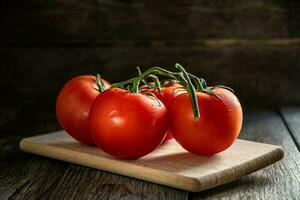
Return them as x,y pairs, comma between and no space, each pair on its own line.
73,104
130,125
219,124
167,96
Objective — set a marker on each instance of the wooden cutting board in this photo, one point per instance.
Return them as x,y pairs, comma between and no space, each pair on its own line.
169,164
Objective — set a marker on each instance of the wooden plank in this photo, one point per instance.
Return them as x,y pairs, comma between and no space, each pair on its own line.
86,183
249,70
279,181
193,173
291,117
140,23
25,176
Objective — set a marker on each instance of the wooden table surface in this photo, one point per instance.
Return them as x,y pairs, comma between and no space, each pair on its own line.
27,176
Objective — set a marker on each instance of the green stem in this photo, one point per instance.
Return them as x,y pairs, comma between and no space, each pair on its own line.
100,83
140,72
199,82
191,91
156,82
202,86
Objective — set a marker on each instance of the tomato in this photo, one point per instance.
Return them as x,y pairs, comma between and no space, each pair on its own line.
167,95
130,125
218,126
73,104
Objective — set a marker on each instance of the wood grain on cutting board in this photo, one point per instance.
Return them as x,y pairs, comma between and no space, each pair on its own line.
169,164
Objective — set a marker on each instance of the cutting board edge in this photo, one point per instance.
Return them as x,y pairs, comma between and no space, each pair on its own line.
263,161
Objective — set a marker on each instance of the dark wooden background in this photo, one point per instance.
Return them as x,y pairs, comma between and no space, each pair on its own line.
251,46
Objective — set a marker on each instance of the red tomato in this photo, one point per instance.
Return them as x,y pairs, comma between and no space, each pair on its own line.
73,105
130,125
219,124
167,95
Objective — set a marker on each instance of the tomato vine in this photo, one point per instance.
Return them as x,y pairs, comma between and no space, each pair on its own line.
190,83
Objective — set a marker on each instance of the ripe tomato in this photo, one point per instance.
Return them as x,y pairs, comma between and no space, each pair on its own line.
73,104
219,124
130,125
167,95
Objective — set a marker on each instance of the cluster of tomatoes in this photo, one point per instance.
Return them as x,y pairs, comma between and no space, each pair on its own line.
130,119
